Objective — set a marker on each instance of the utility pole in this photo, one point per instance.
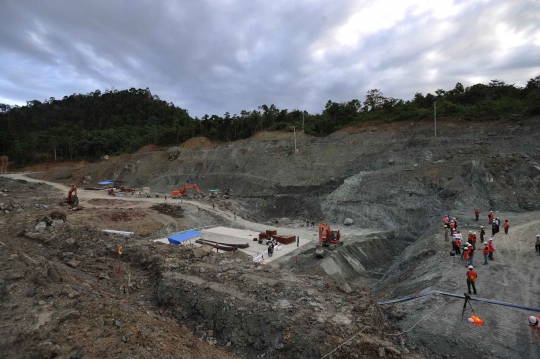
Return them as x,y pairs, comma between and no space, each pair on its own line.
435,116
295,150
302,121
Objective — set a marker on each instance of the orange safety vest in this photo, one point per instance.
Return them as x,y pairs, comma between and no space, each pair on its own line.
466,254
491,216
469,236
471,275
491,248
477,212
506,225
458,242
446,220
485,250
473,238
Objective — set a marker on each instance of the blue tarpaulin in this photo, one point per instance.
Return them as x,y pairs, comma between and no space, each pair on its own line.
184,236
106,182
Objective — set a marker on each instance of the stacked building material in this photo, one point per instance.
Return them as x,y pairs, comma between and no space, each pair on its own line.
284,239
263,235
271,232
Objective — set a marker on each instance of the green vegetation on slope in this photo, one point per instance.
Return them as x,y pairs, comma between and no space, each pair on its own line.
92,125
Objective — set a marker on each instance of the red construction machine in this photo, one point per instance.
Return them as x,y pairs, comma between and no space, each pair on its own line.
182,191
327,238
72,199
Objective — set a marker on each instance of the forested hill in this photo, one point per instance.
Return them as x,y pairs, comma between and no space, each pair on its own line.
88,126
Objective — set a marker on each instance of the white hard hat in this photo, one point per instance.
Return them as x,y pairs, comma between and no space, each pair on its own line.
485,243
470,231
470,320
481,226
470,267
490,240
474,232
532,319
466,244
538,235
454,217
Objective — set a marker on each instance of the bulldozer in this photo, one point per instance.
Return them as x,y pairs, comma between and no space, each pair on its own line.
327,238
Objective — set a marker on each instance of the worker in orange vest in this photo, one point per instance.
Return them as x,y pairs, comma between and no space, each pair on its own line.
471,278
469,237
534,323
477,214
466,254
217,247
491,249
491,216
446,220
506,225
485,251
473,240
457,245
471,254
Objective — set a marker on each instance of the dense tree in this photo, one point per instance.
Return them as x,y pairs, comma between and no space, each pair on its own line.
113,122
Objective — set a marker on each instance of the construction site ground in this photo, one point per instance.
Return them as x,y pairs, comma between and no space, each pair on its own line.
63,297
394,183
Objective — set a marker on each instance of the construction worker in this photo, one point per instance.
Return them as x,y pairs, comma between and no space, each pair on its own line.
537,245
213,206
471,278
452,226
297,241
457,244
466,254
491,248
506,225
482,233
477,214
491,216
493,229
473,239
534,323
217,247
469,237
455,223
471,254
446,221
486,252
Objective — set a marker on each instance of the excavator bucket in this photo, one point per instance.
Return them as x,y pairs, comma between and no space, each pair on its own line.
319,253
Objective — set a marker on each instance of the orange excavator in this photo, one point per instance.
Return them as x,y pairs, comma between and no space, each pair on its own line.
182,191
327,238
72,198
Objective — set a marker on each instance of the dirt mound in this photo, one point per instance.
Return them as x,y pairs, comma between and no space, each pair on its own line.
174,211
149,148
197,142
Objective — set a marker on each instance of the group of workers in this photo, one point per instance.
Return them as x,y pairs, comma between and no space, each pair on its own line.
466,250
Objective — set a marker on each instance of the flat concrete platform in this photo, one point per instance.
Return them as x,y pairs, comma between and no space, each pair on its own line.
240,236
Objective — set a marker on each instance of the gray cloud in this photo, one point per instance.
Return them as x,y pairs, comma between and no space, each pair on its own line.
216,57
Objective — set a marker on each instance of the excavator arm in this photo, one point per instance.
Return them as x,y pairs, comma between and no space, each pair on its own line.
182,190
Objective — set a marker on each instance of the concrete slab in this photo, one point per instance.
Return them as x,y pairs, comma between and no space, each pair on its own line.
240,236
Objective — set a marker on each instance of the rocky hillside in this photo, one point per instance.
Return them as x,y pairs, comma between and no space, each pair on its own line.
385,177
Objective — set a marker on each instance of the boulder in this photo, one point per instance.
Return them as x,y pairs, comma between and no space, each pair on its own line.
40,226
72,315
202,251
73,263
348,221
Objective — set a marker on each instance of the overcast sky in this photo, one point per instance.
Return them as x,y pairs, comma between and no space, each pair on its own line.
231,55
